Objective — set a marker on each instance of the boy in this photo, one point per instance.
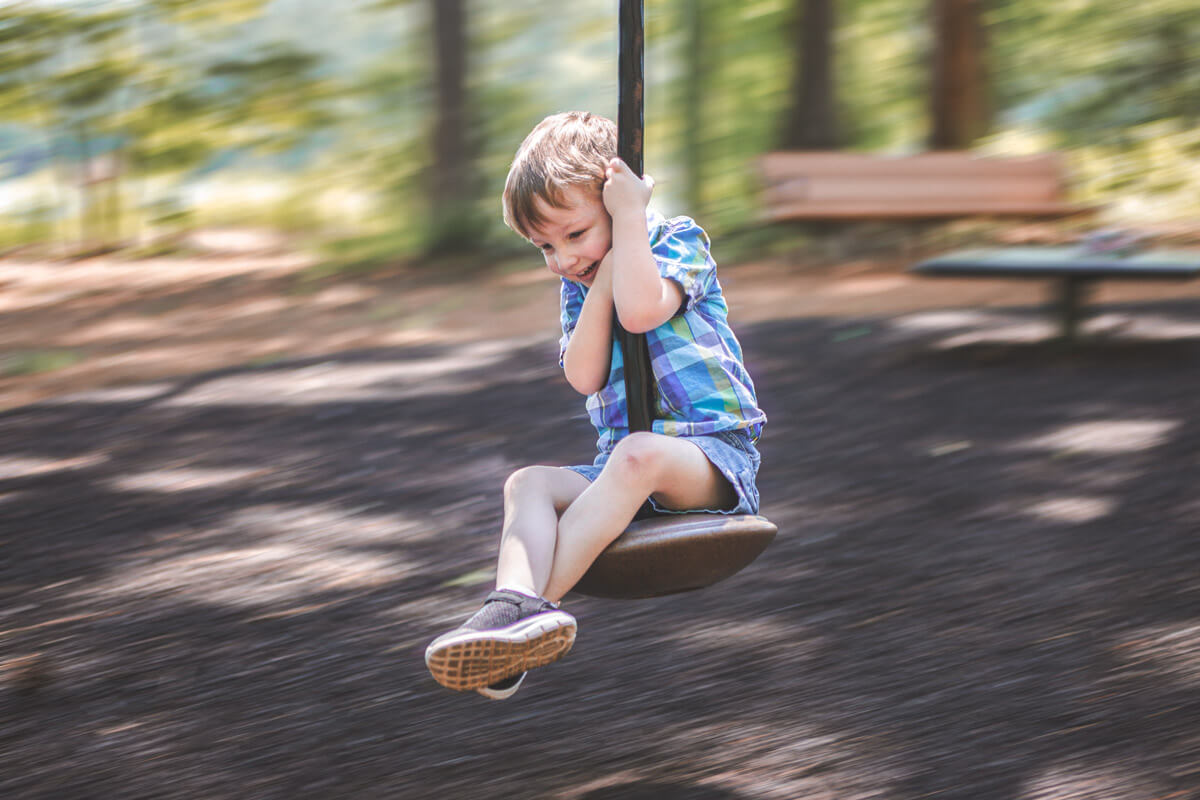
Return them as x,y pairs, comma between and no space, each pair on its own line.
570,196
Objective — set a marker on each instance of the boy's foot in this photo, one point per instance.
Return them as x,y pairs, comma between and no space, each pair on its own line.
502,690
511,634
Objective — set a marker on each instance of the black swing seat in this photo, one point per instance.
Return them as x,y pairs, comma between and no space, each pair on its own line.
676,553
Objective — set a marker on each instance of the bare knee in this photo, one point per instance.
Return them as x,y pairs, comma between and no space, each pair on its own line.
527,481
638,459
557,485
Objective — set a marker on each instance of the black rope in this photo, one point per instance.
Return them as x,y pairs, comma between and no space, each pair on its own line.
639,376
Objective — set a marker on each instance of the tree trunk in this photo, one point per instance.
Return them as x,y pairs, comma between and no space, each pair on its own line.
86,189
451,186
811,123
696,53
961,111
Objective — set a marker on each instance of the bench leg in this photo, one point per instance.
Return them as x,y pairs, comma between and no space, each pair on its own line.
1072,293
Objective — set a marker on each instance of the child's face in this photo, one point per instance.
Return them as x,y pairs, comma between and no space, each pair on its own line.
576,238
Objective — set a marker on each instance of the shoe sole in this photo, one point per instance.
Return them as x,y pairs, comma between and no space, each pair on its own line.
475,659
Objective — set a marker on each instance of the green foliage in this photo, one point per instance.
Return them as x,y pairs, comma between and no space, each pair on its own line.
170,91
32,362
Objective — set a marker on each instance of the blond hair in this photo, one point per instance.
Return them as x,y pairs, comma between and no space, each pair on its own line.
564,150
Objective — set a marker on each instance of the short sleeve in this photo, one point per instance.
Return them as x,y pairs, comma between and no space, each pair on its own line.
681,249
570,304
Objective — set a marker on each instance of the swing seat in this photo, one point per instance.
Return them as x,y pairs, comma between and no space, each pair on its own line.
676,553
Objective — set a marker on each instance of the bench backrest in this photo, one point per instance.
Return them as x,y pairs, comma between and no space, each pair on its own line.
838,185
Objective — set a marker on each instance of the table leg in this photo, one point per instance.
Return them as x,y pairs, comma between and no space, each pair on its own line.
1071,296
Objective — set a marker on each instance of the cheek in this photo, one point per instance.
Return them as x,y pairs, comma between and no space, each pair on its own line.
602,242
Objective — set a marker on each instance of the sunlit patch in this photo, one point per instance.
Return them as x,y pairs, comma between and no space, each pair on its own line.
949,448
877,284
317,526
748,632
252,577
792,755
344,295
114,395
183,480
1085,780
1161,328
25,467
1073,510
941,320
121,329
1171,650
1106,436
334,381
1017,333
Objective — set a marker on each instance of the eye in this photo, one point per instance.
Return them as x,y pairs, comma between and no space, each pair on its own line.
545,248
577,234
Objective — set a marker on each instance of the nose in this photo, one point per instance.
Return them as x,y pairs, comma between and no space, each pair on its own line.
566,259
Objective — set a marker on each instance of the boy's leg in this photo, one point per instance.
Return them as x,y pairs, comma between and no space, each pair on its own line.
675,471
516,630
534,497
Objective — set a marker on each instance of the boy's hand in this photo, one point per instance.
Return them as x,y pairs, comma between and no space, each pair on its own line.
624,191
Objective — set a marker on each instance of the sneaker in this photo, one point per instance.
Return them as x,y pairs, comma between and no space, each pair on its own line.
502,690
511,634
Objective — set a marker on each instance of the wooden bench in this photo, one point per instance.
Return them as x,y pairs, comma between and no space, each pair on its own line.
942,185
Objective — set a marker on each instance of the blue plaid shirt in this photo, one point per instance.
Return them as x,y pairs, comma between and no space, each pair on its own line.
703,386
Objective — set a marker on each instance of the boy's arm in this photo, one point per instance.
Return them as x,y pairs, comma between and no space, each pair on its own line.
588,357
644,299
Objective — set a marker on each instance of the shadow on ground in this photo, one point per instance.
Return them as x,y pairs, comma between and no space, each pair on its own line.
986,583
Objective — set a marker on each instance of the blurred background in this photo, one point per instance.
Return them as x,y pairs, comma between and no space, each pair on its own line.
375,130
267,355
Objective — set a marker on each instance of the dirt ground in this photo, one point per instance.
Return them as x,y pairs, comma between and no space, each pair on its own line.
241,503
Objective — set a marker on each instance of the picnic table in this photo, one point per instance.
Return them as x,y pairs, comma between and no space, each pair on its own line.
1073,269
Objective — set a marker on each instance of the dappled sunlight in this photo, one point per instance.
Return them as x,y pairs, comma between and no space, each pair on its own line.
795,753
125,328
942,320
326,525
334,381
1156,327
976,327
1093,779
1016,333
183,479
253,577
1171,650
761,632
43,282
13,467
1072,510
112,395
1104,437
874,284
284,553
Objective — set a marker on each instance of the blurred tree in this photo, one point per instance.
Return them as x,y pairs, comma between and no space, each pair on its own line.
26,48
696,55
272,102
732,61
456,225
1119,87
113,95
810,122
959,107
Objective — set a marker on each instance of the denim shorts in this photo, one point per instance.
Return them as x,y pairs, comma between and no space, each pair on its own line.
732,452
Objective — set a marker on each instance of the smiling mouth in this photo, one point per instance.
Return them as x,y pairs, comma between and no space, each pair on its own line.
587,273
